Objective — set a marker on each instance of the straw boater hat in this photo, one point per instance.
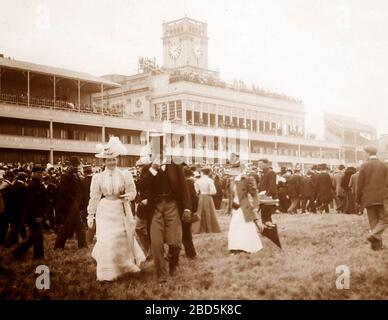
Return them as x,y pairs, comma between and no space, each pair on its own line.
113,149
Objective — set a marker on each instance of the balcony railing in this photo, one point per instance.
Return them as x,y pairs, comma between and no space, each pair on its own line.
23,142
23,100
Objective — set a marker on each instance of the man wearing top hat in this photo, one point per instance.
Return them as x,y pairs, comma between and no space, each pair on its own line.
268,186
19,197
35,206
68,207
6,212
372,194
168,203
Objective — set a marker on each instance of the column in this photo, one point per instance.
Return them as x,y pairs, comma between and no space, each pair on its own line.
55,92
28,88
320,152
51,142
216,116
102,99
1,71
168,111
79,95
184,111
103,133
102,112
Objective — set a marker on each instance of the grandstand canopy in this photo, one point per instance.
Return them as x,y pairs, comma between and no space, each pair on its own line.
51,71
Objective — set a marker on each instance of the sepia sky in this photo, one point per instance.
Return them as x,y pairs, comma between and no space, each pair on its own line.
333,54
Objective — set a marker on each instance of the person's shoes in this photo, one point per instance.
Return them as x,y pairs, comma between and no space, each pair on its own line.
376,244
16,255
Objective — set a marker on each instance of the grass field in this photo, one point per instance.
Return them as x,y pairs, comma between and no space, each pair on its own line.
313,246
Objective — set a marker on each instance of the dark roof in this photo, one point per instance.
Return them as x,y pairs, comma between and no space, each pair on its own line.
39,68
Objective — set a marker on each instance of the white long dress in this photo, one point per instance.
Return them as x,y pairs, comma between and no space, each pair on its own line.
116,250
242,235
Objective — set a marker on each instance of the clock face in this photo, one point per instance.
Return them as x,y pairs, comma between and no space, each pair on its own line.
174,49
197,49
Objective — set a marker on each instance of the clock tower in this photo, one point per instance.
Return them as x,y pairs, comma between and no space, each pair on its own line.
185,43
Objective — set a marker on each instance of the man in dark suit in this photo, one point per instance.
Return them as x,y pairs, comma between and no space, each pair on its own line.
314,179
68,206
187,237
267,184
325,188
169,204
6,193
339,191
295,185
19,197
307,193
35,206
372,194
143,221
51,197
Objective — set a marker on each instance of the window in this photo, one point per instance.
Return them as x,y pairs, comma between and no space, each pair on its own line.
179,109
254,125
189,116
212,119
220,120
172,115
164,112
205,118
157,111
196,117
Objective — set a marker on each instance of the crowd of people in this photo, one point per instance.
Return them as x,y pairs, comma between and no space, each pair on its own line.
62,104
129,215
213,80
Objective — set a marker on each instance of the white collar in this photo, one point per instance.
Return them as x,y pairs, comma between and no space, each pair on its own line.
373,158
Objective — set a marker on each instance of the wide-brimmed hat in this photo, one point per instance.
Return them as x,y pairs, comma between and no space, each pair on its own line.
112,149
370,149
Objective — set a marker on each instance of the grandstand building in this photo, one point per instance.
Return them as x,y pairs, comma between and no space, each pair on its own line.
352,135
48,114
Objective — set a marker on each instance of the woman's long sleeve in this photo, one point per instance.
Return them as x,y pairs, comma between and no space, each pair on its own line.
95,195
212,188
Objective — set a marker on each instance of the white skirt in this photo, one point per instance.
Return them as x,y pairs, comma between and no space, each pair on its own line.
112,251
243,235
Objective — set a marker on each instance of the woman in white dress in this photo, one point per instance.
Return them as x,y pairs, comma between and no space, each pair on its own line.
116,250
243,234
